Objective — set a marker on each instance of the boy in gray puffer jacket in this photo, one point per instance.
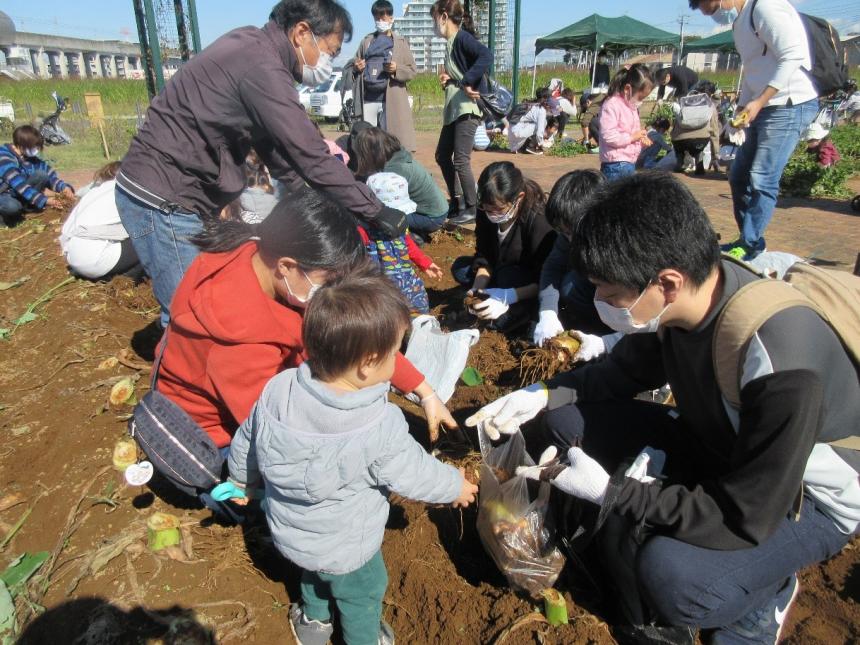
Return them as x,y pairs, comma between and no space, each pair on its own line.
330,447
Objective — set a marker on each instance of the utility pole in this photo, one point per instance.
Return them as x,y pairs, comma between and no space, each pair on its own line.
682,20
491,33
515,72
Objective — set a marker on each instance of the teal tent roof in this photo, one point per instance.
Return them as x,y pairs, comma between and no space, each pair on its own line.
721,42
596,32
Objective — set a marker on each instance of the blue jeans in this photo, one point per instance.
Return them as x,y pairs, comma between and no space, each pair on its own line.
681,583
163,243
421,223
11,205
690,585
757,168
617,169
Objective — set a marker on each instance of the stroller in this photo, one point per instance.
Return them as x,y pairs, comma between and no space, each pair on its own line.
347,105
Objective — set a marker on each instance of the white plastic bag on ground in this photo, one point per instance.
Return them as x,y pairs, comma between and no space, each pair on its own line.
774,264
440,357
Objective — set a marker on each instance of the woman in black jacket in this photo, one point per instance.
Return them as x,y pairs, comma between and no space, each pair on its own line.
512,242
466,62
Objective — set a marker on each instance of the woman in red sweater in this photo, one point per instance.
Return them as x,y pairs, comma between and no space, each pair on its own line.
236,317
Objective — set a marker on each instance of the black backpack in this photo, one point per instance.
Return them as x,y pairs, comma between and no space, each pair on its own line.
378,53
828,72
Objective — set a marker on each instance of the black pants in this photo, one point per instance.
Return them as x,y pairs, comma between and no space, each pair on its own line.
454,156
562,120
658,577
695,148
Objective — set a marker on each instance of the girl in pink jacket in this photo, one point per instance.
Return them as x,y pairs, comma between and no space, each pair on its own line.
621,133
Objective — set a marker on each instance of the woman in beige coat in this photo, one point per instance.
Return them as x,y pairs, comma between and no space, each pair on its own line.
389,109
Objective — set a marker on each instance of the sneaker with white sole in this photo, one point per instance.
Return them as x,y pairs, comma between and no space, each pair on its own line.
763,625
307,631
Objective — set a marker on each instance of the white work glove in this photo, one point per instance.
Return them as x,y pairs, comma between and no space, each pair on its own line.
736,136
497,304
583,478
548,327
506,415
590,346
647,466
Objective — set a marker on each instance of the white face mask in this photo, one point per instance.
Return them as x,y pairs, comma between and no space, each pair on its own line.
725,16
298,301
383,25
502,218
31,152
314,75
621,318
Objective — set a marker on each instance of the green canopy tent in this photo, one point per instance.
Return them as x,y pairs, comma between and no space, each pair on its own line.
722,42
598,32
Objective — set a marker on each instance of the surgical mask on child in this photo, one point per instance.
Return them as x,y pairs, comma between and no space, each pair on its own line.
725,16
621,318
502,218
31,152
316,74
383,25
298,301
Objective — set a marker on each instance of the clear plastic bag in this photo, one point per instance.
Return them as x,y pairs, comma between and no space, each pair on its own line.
513,528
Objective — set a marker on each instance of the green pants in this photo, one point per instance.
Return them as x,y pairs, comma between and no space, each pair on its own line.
358,596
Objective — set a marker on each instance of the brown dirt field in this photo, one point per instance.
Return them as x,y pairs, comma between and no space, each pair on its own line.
101,585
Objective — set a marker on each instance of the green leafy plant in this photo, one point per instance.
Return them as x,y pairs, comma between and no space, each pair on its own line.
566,149
498,142
805,177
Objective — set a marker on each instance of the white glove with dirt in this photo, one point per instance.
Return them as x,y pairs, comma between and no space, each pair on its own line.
497,304
506,415
583,478
590,346
548,327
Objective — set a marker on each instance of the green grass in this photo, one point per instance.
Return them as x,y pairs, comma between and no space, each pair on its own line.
118,96
85,152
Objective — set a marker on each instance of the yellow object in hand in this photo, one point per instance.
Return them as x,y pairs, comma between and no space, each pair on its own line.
741,119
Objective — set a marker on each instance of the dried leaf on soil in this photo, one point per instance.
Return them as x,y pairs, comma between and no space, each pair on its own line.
108,363
4,286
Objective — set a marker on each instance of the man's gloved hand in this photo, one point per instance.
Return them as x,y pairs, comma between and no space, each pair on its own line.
497,304
390,221
647,466
548,326
583,478
507,414
590,346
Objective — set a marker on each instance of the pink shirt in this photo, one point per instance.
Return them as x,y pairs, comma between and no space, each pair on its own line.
619,121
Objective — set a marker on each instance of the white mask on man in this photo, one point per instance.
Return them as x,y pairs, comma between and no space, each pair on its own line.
319,73
621,318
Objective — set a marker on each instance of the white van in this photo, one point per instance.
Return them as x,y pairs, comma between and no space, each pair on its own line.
326,100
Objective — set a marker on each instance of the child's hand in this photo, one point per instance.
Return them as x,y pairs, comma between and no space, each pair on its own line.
239,501
468,490
434,271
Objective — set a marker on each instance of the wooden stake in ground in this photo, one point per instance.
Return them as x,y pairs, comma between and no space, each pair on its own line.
105,148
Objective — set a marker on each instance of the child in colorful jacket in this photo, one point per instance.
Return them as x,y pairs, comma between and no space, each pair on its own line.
399,256
24,177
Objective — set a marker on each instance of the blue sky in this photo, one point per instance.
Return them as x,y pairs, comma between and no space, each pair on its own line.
109,19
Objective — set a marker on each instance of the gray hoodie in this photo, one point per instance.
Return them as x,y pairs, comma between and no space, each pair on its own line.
328,461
